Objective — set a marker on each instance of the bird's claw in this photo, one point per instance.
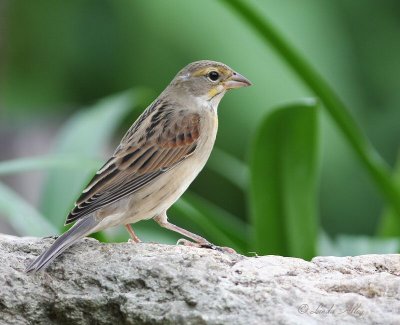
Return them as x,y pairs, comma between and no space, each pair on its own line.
52,237
210,246
222,249
206,245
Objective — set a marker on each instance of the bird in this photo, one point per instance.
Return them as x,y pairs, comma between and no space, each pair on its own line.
156,161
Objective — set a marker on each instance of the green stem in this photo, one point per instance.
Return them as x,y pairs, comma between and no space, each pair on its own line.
377,168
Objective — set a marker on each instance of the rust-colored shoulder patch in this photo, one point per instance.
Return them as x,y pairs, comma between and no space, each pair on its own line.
183,131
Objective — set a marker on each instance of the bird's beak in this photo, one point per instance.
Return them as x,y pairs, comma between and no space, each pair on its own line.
236,81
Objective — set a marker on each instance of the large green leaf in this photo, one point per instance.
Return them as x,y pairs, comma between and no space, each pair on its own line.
283,181
22,216
85,135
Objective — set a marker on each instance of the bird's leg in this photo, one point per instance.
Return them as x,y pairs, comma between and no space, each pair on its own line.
199,241
135,238
162,220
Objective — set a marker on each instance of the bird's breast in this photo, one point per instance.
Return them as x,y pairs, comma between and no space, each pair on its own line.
208,133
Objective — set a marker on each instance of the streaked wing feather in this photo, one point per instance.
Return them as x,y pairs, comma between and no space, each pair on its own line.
141,158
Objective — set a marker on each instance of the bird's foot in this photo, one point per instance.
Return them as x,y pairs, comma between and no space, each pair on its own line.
52,237
207,245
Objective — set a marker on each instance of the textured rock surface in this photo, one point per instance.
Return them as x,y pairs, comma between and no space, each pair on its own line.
94,283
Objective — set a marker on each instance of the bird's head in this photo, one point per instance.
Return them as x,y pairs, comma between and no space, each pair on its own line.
208,80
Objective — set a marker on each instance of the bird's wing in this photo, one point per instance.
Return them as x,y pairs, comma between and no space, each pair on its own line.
159,140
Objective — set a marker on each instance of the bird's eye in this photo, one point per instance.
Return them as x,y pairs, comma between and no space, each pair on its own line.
213,75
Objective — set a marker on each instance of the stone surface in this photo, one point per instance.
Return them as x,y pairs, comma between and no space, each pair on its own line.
94,283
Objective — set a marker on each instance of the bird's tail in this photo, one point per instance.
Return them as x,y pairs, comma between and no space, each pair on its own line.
81,229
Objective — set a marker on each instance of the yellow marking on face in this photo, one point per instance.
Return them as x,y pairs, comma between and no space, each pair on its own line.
214,91
201,72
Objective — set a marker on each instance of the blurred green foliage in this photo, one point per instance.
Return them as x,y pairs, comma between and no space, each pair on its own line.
57,57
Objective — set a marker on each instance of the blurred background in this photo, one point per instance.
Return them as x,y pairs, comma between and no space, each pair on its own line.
284,179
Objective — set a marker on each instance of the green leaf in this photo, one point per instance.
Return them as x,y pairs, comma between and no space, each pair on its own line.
22,216
390,223
48,162
85,135
229,167
283,181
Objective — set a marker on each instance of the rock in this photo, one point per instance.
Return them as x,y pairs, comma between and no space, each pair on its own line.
95,283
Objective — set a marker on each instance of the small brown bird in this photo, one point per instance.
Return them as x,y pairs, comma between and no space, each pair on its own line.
157,159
